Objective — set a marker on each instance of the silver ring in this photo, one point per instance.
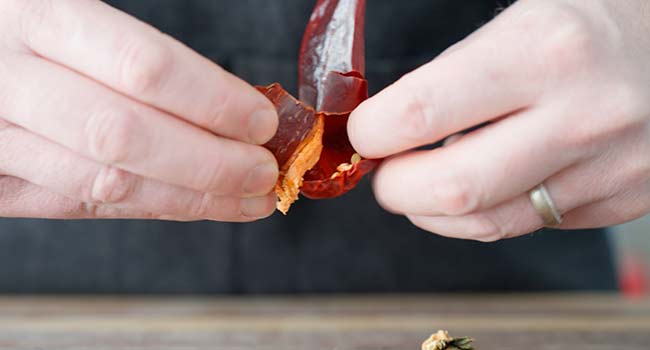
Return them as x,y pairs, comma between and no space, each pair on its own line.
545,207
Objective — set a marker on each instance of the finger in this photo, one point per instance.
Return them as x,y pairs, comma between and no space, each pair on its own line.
570,191
20,199
614,211
97,123
622,189
511,219
134,58
477,82
482,169
59,170
517,218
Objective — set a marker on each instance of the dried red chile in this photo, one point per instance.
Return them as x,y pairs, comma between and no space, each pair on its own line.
331,85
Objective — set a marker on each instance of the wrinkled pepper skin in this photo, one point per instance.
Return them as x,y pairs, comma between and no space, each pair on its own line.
332,57
331,79
331,84
296,121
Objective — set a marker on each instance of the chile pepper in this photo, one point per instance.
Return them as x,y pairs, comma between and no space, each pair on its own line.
312,145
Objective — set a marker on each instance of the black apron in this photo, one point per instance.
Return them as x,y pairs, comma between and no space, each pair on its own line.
347,244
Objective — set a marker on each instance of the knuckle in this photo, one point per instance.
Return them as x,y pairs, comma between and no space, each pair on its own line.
456,197
143,65
571,45
211,178
621,113
629,104
112,186
109,135
32,15
421,113
580,139
215,116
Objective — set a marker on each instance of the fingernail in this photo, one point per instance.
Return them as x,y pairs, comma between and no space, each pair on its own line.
261,179
262,125
257,207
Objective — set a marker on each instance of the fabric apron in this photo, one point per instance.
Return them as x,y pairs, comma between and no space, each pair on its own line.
347,244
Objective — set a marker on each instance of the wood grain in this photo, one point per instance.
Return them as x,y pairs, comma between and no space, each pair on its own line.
548,322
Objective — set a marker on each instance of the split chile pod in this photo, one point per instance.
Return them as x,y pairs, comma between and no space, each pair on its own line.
312,146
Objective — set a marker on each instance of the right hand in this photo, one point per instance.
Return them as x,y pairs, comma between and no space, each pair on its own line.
102,116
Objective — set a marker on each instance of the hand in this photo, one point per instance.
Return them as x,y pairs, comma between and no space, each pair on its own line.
104,116
565,86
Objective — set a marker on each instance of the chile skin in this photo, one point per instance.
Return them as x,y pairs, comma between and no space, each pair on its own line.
331,82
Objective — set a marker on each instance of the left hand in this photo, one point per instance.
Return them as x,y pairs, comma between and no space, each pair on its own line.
565,85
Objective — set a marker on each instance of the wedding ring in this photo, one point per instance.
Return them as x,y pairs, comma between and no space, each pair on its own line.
545,207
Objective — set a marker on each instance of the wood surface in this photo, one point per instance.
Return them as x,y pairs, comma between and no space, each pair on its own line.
504,322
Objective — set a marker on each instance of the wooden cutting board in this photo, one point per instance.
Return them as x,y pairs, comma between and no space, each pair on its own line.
504,322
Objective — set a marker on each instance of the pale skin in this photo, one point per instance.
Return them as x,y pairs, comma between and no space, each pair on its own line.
102,116
565,86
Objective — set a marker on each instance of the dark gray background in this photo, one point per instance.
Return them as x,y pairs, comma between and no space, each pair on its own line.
343,245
